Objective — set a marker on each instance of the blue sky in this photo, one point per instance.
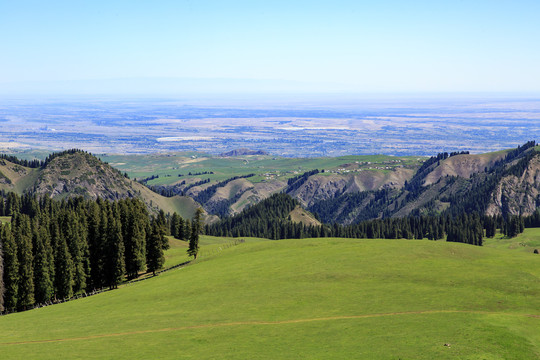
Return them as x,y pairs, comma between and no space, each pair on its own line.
357,46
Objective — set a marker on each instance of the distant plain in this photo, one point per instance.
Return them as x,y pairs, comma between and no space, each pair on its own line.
292,127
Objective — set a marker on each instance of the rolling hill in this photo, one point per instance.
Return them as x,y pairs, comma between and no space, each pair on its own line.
77,173
310,298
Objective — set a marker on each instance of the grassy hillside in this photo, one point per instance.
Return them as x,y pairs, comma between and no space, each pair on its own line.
294,299
528,241
299,215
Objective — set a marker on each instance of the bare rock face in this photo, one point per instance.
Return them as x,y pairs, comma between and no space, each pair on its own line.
517,195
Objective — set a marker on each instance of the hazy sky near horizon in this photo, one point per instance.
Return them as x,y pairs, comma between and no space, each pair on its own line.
361,46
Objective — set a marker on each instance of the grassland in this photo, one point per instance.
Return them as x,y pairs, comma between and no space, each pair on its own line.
311,298
169,166
526,242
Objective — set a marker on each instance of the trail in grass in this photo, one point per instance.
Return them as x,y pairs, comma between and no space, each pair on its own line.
241,323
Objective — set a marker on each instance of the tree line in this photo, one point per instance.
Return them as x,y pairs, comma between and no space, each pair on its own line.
36,163
52,250
270,219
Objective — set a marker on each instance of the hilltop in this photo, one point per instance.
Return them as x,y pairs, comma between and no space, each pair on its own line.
77,173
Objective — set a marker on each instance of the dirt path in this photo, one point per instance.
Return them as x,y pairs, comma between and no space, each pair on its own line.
242,323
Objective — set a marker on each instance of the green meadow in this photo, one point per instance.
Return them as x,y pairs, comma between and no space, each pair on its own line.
169,166
303,299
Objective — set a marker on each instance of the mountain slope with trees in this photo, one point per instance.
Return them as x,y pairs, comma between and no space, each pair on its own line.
74,173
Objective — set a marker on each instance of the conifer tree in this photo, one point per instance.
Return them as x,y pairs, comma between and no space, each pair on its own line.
162,222
97,225
114,268
78,248
25,257
42,277
154,253
63,279
1,275
175,223
11,268
135,243
196,227
187,230
181,229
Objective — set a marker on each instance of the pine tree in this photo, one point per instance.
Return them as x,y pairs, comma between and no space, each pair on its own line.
78,247
196,227
22,228
154,253
63,279
135,242
42,277
1,274
181,229
114,268
11,268
97,228
175,223
187,230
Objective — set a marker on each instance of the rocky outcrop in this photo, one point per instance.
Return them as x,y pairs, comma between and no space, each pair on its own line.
517,195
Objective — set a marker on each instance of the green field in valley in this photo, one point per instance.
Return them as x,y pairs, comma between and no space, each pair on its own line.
303,299
169,166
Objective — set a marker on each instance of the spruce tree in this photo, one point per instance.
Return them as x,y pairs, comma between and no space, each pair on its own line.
63,279
196,227
97,228
135,245
11,268
22,227
175,223
42,277
154,253
78,247
1,274
114,268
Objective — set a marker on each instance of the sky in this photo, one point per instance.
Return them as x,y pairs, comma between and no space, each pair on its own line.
334,46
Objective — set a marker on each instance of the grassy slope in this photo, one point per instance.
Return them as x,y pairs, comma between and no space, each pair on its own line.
20,177
526,242
299,215
324,298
